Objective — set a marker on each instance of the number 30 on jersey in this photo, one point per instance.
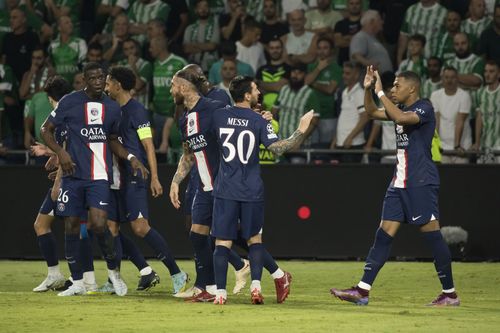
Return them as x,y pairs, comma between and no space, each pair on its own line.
243,152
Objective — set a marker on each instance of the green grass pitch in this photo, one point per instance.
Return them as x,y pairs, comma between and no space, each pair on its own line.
396,304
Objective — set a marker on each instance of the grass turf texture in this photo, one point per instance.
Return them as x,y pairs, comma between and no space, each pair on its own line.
396,304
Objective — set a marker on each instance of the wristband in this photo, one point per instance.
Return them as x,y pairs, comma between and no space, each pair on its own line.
130,156
380,94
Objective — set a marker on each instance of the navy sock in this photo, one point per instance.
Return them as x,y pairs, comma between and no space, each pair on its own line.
86,255
442,257
118,250
268,262
107,246
221,256
235,260
203,260
132,252
48,247
256,256
159,245
378,255
72,245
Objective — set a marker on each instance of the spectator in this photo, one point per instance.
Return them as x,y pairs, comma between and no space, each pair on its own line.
249,49
425,18
365,49
142,69
113,43
227,50
155,29
324,76
489,43
452,107
477,21
231,25
228,72
143,11
18,44
469,66
487,105
300,45
433,83
33,20
444,46
165,66
322,20
294,100
341,5
78,81
272,27
94,54
288,6
415,61
34,80
110,9
201,37
59,8
353,117
217,7
177,21
272,76
8,98
256,8
67,51
36,111
346,28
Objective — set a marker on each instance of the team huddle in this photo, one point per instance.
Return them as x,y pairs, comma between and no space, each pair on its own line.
99,140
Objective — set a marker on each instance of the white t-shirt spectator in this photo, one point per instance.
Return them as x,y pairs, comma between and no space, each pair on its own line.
298,44
352,106
253,55
448,108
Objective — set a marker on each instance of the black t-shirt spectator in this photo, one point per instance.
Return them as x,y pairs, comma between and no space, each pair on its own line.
393,13
489,44
177,7
271,31
346,27
224,20
18,49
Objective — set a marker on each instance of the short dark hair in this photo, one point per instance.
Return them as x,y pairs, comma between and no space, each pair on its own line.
410,76
227,48
492,62
123,75
387,79
299,66
419,38
352,65
275,39
90,66
323,38
39,47
437,59
95,46
251,23
56,87
450,68
240,86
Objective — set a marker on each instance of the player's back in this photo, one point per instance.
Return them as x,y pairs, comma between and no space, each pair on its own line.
219,95
239,132
414,159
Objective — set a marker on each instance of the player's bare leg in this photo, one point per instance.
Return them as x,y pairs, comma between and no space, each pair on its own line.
442,262
158,243
378,255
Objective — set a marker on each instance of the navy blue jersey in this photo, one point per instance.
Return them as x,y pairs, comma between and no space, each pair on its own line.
414,160
88,123
134,118
196,129
219,95
240,132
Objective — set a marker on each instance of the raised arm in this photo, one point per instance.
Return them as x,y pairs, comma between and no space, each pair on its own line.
282,146
372,110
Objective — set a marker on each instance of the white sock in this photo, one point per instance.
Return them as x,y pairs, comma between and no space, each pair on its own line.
146,271
78,283
364,286
278,274
53,270
255,285
211,289
89,277
449,291
112,273
221,292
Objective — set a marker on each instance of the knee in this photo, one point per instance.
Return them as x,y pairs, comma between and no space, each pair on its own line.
200,229
114,228
140,227
72,227
257,239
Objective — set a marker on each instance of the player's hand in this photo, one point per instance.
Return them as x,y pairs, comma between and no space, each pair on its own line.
156,188
66,163
52,163
378,82
267,115
322,64
305,121
174,195
39,149
369,78
138,166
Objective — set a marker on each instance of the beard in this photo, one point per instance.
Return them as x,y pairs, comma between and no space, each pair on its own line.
203,16
296,85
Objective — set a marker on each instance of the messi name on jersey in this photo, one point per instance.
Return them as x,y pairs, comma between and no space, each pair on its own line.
237,122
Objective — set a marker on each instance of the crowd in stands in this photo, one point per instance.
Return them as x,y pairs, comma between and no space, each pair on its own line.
304,54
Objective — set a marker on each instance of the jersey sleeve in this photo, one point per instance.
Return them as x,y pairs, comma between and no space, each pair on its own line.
141,123
425,112
465,103
58,115
266,132
29,109
478,69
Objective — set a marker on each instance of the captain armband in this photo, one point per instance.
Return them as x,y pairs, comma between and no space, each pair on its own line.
144,133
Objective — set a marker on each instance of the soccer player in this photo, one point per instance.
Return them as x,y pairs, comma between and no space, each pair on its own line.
135,132
412,196
91,120
238,188
56,87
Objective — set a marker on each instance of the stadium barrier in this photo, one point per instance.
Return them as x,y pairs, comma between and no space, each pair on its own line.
322,212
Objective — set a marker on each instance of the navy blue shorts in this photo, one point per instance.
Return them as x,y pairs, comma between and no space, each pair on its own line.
202,211
77,195
187,205
414,205
116,207
228,212
134,195
48,206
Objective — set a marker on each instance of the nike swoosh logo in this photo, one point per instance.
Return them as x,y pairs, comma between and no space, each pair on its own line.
102,203
416,218
94,120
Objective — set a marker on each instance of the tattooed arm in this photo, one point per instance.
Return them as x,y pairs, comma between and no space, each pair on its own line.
282,146
185,164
